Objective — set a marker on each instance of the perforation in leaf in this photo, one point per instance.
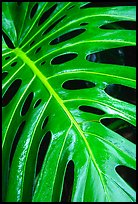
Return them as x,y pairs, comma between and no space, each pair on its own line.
13,64
42,63
67,36
6,58
4,74
32,43
37,50
113,123
91,109
27,104
77,84
120,25
83,24
122,92
7,40
121,127
128,174
53,25
45,122
43,148
63,58
16,140
10,92
110,56
46,15
33,11
37,103
68,182
129,132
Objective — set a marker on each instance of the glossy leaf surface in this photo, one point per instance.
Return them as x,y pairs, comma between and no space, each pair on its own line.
55,97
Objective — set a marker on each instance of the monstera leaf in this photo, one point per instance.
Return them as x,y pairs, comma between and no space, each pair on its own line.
57,102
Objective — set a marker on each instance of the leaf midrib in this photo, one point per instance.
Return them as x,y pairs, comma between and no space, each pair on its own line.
43,79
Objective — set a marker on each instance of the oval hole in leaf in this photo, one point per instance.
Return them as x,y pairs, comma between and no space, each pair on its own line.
90,109
46,14
33,10
68,182
45,122
42,63
38,49
128,174
128,25
42,151
67,36
13,64
112,123
121,127
27,104
11,91
63,58
37,103
16,139
77,84
8,41
53,25
4,74
120,56
110,56
6,58
122,92
32,43
83,24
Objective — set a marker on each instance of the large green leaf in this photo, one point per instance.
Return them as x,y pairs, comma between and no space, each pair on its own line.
45,47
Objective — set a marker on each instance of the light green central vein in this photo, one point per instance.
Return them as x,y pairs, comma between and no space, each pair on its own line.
43,79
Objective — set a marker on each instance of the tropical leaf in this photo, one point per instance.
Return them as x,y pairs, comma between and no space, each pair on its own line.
55,93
